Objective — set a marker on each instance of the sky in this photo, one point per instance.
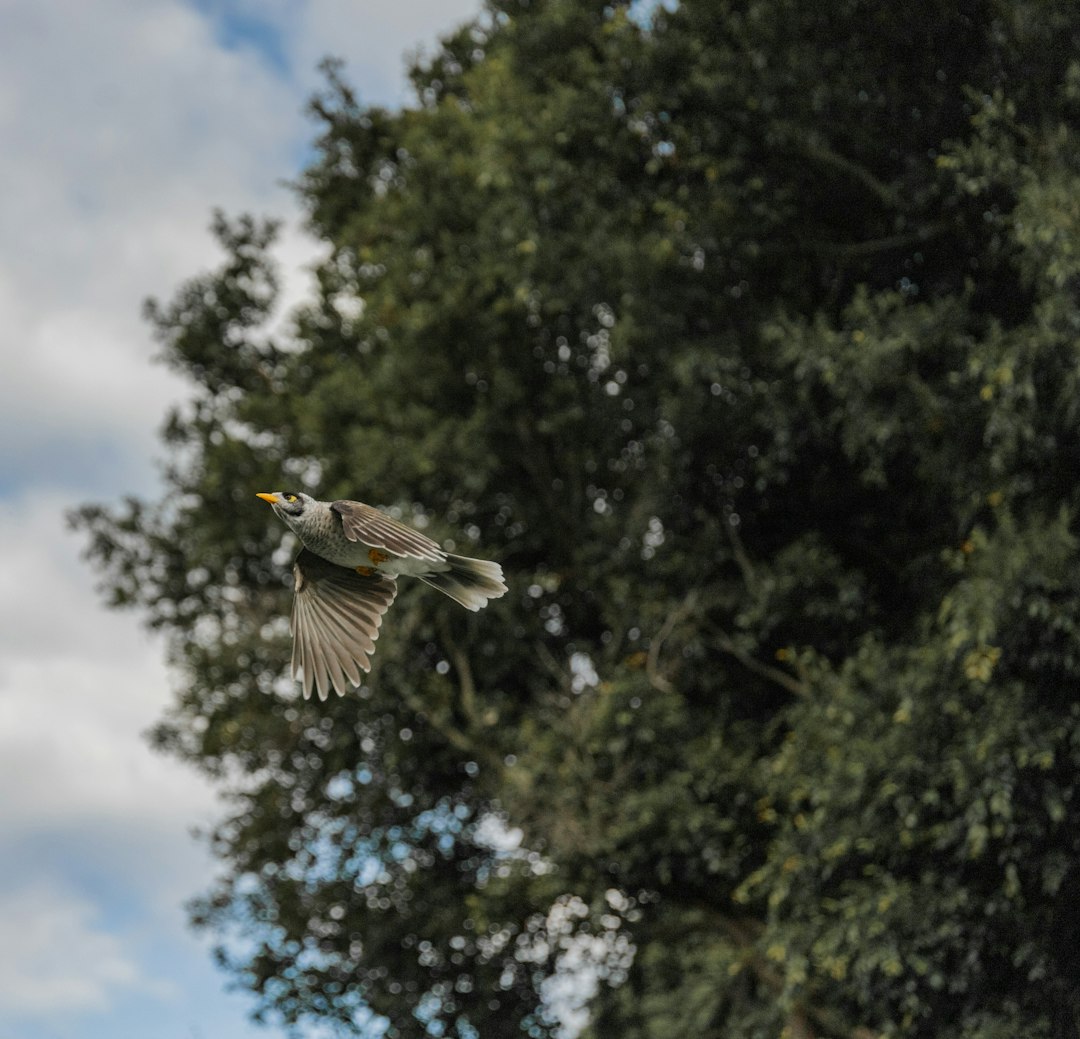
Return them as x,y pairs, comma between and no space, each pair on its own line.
122,125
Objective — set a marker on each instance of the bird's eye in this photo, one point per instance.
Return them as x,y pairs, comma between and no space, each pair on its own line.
290,498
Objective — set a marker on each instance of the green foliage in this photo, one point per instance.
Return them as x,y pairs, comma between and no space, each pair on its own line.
745,337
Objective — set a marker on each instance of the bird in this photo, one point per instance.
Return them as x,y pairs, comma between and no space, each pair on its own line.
345,578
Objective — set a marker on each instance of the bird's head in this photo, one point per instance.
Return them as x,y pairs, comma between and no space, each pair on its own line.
289,505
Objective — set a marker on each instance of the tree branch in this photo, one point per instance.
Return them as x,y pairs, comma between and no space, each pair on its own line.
466,684
739,554
438,718
766,671
551,664
816,148
652,662
871,246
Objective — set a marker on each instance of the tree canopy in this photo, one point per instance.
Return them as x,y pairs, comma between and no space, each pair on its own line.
745,334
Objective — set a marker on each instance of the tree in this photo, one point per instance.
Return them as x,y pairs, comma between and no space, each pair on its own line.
745,336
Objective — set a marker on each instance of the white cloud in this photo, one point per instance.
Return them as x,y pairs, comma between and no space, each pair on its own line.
78,686
78,689
55,958
122,126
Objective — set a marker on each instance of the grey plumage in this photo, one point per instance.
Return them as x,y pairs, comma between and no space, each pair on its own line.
346,578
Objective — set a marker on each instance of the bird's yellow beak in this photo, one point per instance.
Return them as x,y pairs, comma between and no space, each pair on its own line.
271,498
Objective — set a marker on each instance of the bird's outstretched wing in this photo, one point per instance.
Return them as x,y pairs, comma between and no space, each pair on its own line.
369,526
335,621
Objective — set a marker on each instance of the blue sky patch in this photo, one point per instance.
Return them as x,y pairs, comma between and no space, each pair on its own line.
237,26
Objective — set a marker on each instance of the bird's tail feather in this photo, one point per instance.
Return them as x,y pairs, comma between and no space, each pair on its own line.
470,582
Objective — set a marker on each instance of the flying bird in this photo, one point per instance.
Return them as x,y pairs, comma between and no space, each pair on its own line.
345,579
